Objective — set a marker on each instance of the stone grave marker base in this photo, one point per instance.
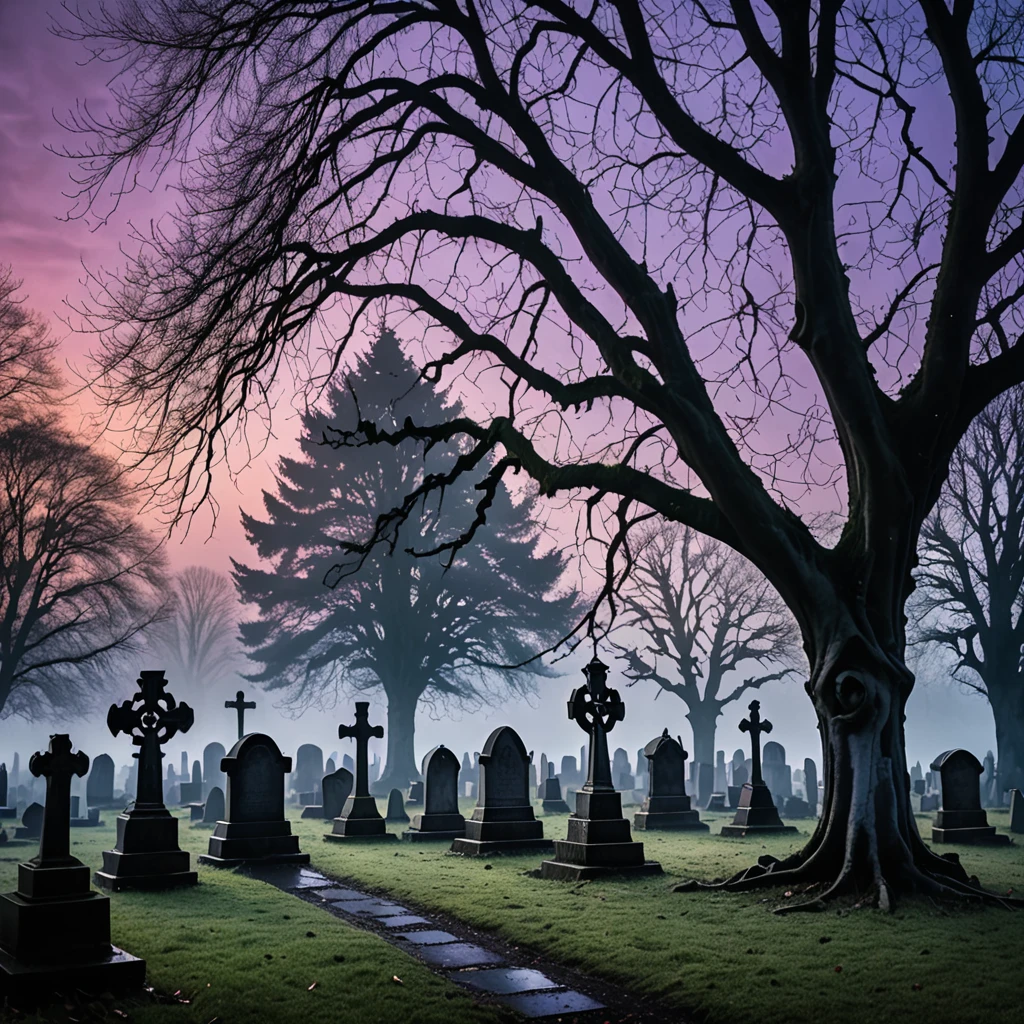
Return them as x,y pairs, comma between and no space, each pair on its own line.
486,848
361,821
676,821
757,814
561,871
739,831
248,842
312,811
8,812
981,834
415,835
146,854
116,970
555,807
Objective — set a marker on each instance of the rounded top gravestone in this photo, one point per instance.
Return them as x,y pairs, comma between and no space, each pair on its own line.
667,760
213,775
504,770
441,781
255,768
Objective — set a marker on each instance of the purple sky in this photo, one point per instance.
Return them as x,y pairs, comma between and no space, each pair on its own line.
40,77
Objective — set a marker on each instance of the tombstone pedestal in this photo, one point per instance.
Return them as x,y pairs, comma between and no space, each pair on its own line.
552,802
8,812
668,812
146,854
598,843
360,819
440,819
965,827
756,813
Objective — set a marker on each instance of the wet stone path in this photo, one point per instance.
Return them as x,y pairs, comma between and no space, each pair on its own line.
450,949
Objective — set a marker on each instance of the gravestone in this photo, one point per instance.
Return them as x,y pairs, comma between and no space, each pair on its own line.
503,819
360,819
146,854
811,786
54,930
736,762
15,771
415,793
348,764
336,788
776,773
543,776
666,805
796,807
329,769
569,774
741,776
184,772
929,803
598,841
987,782
214,808
192,791
916,774
961,818
254,828
622,777
31,823
440,818
721,778
396,807
757,812
1016,811
551,798
99,787
716,802
732,794
309,768
917,787
240,706
5,810
213,754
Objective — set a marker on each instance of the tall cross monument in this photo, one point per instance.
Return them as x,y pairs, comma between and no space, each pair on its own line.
240,705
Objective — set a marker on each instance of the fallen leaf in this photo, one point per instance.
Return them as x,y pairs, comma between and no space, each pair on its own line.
839,969
395,978
311,987
789,892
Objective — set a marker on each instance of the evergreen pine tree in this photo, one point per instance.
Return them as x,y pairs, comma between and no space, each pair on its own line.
402,623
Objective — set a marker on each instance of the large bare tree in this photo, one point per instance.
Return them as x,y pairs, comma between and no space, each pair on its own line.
704,613
80,577
726,258
199,636
971,572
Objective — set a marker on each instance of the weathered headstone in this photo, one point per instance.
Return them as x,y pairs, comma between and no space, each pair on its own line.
732,794
360,819
569,773
309,769
1016,811
721,777
336,788
396,807
192,790
551,796
797,807
757,812
917,787
348,764
214,808
5,810
213,754
503,820
54,930
929,803
598,840
716,802
961,818
440,818
31,826
811,785
543,776
776,773
99,787
329,769
740,775
184,772
622,777
666,805
146,854
254,828
240,705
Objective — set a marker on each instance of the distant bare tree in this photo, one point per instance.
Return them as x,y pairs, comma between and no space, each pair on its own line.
199,635
80,578
706,612
28,370
971,572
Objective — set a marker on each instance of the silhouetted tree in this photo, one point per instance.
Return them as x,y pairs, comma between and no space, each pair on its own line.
28,369
678,218
416,628
199,634
705,612
971,573
80,578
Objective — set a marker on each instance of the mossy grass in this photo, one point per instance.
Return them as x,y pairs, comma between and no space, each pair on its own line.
236,950
724,957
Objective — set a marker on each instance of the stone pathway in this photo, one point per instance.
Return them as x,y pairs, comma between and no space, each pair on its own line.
451,949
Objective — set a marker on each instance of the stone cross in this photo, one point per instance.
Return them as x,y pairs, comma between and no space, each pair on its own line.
57,765
596,708
361,733
240,704
151,717
755,727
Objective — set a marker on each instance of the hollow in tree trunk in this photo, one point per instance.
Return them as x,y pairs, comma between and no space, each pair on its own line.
400,765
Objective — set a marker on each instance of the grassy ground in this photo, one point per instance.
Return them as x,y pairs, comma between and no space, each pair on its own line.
724,957
237,951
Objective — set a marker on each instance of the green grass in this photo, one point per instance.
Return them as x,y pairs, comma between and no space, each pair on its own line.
725,957
238,950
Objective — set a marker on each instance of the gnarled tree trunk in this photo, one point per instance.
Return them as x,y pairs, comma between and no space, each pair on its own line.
400,766
703,719
1008,708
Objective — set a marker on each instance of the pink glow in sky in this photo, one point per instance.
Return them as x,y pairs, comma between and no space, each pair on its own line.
40,77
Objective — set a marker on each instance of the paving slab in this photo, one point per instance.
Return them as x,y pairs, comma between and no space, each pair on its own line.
403,921
288,877
428,938
370,908
506,980
551,1004
343,894
457,954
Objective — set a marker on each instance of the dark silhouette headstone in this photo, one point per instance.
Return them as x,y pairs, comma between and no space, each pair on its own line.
796,807
192,789
440,818
396,807
543,776
99,787
146,854
716,802
666,805
31,823
1016,811
214,808
213,754
778,775
330,768
336,788
309,768
503,820
705,783
811,785
757,812
54,930
360,819
598,840
551,797
5,810
240,705
254,828
961,818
